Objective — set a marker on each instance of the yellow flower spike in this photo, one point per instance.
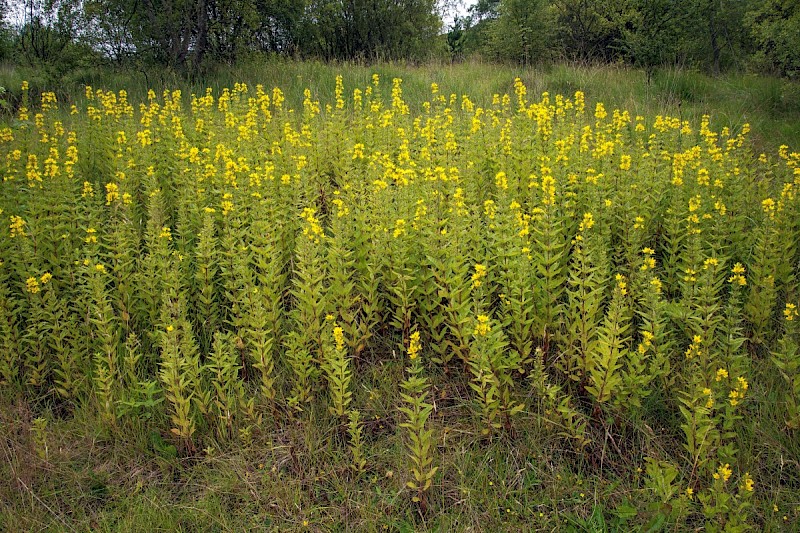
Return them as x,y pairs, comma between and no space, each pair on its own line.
721,374
480,273
703,178
501,181
112,193
587,223
548,187
657,285
399,228
723,472
17,226
622,284
600,111
338,337
482,326
414,346
743,385
769,207
747,482
46,277
32,285
489,209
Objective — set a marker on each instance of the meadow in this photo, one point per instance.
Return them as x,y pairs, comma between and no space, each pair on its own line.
333,306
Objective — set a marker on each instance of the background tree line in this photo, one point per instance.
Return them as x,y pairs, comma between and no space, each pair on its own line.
713,35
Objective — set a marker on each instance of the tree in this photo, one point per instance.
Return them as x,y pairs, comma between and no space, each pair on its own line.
48,27
656,31
592,29
775,26
372,29
521,31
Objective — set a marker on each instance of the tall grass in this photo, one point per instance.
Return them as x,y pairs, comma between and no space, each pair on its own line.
771,105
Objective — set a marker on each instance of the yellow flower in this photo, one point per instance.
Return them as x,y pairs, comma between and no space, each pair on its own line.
790,311
489,209
622,284
480,273
587,222
399,227
648,263
733,397
112,193
482,327
501,181
724,472
656,284
170,328
338,336
600,111
17,226
166,233
721,374
313,229
46,277
769,207
32,285
690,493
414,346
742,383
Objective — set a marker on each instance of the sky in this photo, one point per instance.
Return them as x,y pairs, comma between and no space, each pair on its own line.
457,8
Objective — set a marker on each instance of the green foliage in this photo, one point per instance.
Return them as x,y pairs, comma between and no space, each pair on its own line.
590,30
656,26
217,264
420,438
521,31
775,26
355,431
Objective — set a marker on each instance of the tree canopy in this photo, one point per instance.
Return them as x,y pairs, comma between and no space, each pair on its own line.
189,34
